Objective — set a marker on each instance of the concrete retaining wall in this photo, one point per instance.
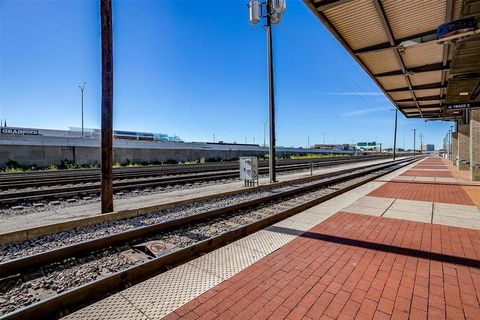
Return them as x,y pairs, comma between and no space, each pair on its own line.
44,151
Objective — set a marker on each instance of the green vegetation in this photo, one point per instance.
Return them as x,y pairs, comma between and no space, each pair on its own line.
67,165
13,167
316,156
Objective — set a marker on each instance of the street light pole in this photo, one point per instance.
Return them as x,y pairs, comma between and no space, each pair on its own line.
82,88
449,141
264,131
395,136
450,144
414,136
421,143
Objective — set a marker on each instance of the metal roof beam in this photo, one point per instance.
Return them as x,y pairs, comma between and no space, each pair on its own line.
422,99
436,105
425,68
448,17
323,5
391,39
416,39
436,85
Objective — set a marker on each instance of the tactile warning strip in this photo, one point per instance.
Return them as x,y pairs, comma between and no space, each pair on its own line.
155,298
158,295
227,261
112,308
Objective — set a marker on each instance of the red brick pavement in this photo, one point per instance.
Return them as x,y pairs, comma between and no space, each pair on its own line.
424,192
422,166
355,266
432,163
422,173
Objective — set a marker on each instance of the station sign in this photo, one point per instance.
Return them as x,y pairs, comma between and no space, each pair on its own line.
462,106
23,132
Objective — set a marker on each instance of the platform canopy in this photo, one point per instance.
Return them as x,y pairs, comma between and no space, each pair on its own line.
395,42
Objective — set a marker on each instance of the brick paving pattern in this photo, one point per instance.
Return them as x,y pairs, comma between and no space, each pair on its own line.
474,193
445,193
422,166
355,266
421,173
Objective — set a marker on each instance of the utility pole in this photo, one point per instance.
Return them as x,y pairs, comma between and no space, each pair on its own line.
214,138
273,12
308,144
107,105
324,133
414,136
395,136
271,98
82,89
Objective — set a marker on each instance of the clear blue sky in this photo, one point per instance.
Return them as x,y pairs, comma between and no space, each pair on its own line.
190,68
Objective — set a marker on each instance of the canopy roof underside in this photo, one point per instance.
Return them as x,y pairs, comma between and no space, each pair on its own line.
395,42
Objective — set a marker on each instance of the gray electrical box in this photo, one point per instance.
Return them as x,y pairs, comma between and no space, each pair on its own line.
249,170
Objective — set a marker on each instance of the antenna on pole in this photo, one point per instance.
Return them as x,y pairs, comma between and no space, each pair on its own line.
272,11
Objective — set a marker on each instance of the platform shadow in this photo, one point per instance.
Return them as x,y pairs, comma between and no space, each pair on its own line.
468,262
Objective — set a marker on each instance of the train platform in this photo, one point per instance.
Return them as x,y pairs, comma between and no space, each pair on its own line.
404,246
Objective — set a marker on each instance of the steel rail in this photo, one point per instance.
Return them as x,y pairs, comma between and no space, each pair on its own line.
155,170
73,299
50,193
39,182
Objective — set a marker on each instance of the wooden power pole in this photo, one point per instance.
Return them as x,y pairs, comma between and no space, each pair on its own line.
107,105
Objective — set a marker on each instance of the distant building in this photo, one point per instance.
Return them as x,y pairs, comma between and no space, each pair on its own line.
428,147
325,146
366,146
345,146
74,132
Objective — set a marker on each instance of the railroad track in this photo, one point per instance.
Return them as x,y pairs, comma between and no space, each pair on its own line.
49,178
55,274
55,192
